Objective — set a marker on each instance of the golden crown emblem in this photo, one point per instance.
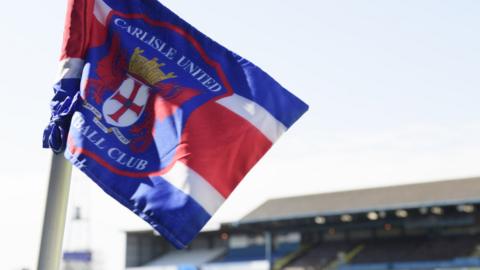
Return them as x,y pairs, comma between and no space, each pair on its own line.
148,70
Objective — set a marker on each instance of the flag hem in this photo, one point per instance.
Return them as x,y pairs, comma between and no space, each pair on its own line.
158,227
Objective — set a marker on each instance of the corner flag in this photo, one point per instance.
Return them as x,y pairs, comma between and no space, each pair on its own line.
161,117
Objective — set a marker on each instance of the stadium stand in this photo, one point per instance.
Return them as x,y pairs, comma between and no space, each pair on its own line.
256,252
249,257
428,226
319,256
184,259
416,249
250,253
415,252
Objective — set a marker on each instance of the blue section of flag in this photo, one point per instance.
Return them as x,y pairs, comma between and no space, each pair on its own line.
168,210
63,105
279,102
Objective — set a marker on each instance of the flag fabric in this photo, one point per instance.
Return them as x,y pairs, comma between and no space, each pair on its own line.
161,117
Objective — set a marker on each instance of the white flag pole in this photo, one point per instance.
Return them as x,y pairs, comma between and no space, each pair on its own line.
50,253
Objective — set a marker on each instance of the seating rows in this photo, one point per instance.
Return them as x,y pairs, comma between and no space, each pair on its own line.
395,253
256,252
319,256
416,249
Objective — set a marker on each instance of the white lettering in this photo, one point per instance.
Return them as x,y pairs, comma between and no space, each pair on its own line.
170,53
120,23
142,164
78,121
129,161
112,152
199,74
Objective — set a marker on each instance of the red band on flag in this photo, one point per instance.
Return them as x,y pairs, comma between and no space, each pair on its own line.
77,28
222,147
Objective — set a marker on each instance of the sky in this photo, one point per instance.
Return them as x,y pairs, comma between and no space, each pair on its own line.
393,88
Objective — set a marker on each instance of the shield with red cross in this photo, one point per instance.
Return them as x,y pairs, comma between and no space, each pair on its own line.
126,105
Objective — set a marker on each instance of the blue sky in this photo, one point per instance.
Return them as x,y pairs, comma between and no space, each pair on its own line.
393,89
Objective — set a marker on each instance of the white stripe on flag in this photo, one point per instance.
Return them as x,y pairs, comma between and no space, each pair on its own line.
71,68
255,114
194,185
101,11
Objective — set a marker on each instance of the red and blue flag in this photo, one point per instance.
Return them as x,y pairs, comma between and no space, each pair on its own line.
161,117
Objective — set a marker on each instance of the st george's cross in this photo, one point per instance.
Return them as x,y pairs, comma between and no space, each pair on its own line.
127,103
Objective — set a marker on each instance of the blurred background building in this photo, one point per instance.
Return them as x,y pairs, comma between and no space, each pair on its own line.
418,226
77,253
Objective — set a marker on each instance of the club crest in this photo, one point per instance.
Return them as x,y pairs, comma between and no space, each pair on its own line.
126,105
